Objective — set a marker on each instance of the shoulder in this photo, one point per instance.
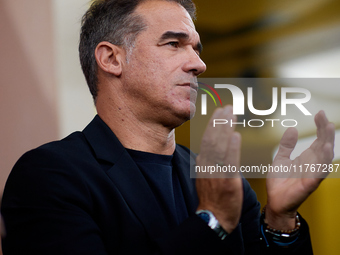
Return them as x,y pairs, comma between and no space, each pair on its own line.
51,165
56,153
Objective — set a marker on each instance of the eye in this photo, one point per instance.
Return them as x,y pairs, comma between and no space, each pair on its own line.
174,44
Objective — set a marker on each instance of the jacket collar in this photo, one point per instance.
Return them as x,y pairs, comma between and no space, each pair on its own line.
105,144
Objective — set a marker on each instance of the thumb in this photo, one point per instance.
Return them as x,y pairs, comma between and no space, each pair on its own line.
287,144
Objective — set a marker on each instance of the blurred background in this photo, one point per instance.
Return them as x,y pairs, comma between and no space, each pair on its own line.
43,95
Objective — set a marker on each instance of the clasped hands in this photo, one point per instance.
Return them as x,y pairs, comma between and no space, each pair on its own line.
223,195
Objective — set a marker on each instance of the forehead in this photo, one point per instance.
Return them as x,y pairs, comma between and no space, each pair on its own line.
161,16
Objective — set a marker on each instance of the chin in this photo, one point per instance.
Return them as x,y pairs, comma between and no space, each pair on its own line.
181,115
188,113
181,118
192,110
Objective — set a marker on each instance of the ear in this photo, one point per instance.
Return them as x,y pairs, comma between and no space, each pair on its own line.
109,58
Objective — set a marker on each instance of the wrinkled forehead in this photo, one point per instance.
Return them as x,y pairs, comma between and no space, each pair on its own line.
166,16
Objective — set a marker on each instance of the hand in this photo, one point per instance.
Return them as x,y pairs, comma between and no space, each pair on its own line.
221,193
287,193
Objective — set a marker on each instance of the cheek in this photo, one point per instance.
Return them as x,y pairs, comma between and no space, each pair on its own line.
151,70
155,75
181,96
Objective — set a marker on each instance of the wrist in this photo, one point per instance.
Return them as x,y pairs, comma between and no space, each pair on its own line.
282,221
280,237
226,224
209,218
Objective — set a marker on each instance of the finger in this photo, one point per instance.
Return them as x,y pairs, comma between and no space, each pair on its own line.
287,144
234,154
216,137
234,151
328,152
325,131
322,124
214,128
325,147
227,129
320,119
210,137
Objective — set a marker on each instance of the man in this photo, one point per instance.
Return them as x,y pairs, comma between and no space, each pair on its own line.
122,186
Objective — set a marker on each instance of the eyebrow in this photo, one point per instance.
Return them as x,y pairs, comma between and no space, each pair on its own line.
180,35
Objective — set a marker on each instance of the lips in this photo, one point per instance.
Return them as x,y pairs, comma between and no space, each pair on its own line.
192,85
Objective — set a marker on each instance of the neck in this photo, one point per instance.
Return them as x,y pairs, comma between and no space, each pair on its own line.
135,133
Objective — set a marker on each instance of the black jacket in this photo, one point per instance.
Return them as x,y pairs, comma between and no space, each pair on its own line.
85,195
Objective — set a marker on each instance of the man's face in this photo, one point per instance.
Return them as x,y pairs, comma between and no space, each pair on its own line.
159,77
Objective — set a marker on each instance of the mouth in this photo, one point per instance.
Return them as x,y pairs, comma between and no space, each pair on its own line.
192,85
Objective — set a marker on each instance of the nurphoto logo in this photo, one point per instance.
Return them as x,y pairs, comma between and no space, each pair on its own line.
238,99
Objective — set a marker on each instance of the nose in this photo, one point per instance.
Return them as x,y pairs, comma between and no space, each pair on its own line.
194,63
